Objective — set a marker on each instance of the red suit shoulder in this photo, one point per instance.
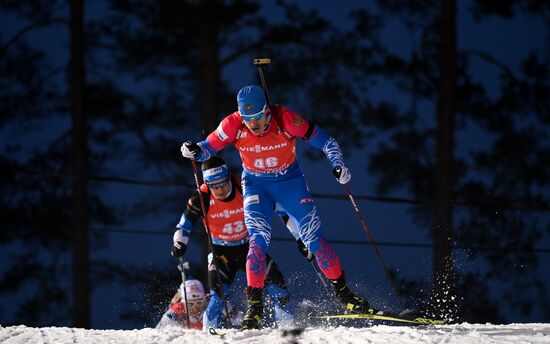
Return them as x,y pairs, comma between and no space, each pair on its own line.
226,132
293,123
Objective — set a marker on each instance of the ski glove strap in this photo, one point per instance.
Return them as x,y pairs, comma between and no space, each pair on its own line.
342,174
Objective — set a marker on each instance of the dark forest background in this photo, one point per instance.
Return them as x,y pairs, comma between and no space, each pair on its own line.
102,93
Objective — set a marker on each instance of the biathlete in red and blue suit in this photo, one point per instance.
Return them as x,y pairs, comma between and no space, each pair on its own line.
266,141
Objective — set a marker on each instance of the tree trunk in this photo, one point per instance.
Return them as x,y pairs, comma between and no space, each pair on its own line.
210,81
443,293
210,68
80,262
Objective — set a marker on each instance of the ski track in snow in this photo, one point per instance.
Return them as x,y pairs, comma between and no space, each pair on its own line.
459,333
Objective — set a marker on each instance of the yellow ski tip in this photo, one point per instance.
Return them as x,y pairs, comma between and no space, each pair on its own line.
416,321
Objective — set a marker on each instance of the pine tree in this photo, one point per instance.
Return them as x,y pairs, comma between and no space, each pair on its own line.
482,175
41,180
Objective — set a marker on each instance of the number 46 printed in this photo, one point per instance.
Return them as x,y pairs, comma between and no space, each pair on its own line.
271,161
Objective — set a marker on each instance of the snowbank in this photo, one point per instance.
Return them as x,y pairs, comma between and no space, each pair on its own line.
462,333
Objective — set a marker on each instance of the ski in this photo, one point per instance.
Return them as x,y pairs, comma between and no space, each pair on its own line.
285,332
395,318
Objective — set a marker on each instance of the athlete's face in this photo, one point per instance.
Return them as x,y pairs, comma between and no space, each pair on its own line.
220,190
257,125
196,307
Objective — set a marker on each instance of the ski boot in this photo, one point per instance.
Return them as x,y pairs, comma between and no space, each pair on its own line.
351,302
254,309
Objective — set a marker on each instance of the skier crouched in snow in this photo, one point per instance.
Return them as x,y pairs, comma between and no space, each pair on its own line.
196,304
265,138
224,202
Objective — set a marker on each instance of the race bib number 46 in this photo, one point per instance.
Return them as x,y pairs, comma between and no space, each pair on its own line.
264,163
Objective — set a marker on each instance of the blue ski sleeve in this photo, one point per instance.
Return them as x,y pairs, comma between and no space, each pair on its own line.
206,151
190,216
321,140
185,225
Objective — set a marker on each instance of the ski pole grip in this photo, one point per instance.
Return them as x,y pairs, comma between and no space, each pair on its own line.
262,61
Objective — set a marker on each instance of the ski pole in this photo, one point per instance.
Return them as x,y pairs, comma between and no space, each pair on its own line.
182,267
373,244
321,278
292,228
260,63
208,235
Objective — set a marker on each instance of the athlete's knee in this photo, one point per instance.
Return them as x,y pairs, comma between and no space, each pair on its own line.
257,221
258,227
311,230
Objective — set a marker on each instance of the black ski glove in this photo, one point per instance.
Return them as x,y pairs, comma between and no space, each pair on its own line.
190,150
304,251
342,174
179,248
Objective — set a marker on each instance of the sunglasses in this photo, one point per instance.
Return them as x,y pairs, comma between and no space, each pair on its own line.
255,116
191,304
218,185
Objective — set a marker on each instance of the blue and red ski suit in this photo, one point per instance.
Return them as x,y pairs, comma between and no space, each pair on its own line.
271,174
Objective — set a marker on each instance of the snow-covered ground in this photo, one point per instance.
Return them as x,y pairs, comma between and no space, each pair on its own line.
461,333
